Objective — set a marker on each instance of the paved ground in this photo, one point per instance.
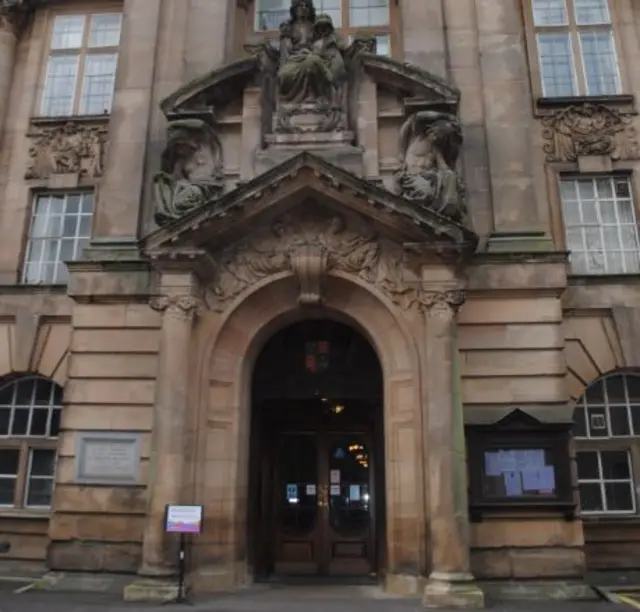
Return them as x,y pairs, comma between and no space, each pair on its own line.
266,600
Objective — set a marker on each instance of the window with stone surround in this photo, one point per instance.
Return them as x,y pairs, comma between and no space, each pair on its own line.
81,67
607,436
29,424
60,229
575,47
600,227
350,18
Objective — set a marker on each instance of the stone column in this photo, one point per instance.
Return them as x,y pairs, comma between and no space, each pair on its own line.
170,412
509,123
12,18
118,208
451,582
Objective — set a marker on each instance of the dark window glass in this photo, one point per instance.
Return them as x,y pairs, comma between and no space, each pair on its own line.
591,497
615,465
579,422
619,419
587,462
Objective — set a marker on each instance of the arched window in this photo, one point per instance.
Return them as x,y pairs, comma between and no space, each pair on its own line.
29,424
607,428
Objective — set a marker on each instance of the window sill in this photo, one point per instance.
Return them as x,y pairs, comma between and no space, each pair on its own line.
44,121
610,518
24,514
29,289
632,278
546,106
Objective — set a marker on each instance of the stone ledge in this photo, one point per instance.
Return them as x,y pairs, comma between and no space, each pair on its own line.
458,595
548,590
148,590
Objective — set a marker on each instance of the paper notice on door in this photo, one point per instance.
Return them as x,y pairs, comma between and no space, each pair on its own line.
292,492
513,484
335,490
311,489
354,492
335,476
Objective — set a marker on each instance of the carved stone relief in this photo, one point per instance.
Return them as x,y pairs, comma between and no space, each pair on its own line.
72,148
191,170
307,73
429,148
13,15
589,129
310,246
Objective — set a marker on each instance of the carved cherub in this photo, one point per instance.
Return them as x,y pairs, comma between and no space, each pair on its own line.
430,143
191,169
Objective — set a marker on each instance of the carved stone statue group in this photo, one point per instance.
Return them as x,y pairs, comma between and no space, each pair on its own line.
308,76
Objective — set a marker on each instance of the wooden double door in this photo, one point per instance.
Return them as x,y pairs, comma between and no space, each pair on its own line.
322,497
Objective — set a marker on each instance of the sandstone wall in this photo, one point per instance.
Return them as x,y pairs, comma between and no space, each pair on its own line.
34,338
112,370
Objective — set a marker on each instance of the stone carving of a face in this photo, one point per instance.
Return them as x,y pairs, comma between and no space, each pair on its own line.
302,9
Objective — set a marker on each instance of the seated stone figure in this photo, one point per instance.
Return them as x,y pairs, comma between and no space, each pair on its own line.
191,170
429,147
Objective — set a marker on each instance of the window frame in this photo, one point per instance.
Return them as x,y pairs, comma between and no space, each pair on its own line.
25,445
391,29
81,53
35,196
578,69
564,171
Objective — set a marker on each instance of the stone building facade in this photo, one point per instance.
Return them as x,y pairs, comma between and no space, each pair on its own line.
358,278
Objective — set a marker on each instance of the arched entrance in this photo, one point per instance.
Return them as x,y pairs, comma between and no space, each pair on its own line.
316,484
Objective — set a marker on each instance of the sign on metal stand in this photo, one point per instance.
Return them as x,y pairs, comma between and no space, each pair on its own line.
184,520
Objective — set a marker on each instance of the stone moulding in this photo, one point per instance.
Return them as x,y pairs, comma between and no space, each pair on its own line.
72,147
589,130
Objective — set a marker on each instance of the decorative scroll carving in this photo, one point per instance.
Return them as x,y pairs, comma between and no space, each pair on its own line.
589,129
191,171
178,306
443,303
429,147
310,247
72,148
307,72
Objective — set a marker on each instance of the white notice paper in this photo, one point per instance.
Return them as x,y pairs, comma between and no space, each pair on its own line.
507,461
335,490
547,479
531,480
311,489
354,492
513,484
335,476
492,464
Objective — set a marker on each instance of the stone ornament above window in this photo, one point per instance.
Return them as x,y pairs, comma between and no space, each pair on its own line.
589,130
69,148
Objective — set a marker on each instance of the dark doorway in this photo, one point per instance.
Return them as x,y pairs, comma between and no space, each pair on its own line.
316,502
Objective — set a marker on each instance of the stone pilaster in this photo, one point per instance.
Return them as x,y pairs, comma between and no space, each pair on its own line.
13,16
451,582
170,411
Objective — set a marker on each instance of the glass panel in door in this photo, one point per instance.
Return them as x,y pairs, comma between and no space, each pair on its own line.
350,505
296,505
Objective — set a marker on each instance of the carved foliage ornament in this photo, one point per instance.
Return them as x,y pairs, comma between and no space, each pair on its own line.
310,247
589,130
72,148
13,15
179,306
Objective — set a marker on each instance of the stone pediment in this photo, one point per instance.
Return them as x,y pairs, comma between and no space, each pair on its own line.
309,218
214,90
307,177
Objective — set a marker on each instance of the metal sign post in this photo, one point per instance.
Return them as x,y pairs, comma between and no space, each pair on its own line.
183,520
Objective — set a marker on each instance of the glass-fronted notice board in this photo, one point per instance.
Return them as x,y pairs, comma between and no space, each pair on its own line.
512,473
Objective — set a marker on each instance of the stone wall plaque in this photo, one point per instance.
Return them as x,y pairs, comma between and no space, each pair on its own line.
108,458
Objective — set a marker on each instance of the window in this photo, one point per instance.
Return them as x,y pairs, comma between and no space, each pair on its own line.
576,48
600,225
29,424
81,69
60,229
607,428
605,482
350,17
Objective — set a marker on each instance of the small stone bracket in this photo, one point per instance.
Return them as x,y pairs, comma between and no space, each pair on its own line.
309,264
